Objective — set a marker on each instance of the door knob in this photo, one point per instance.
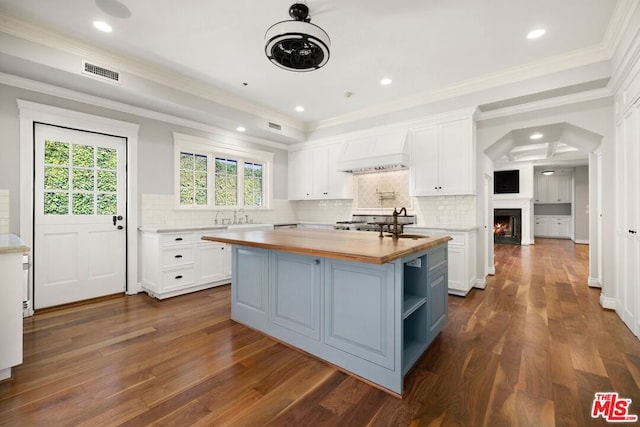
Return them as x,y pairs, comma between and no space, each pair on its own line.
120,227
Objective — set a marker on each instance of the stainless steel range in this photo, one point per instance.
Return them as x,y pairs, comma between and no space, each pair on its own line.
378,223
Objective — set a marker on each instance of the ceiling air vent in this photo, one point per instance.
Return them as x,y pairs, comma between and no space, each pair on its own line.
100,72
275,126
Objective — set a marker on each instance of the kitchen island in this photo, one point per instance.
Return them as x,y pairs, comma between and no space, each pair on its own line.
369,305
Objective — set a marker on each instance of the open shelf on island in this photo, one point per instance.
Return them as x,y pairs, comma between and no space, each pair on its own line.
411,303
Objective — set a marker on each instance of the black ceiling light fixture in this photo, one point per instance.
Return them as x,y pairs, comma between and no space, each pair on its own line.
297,45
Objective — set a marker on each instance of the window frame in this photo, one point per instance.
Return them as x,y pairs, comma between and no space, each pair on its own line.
222,149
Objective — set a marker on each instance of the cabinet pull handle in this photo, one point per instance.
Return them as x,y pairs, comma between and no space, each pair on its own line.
178,256
178,239
179,276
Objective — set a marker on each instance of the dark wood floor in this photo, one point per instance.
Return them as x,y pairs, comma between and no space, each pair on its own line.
531,349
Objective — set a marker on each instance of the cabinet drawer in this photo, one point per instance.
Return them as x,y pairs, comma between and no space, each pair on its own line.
177,256
177,278
458,239
171,239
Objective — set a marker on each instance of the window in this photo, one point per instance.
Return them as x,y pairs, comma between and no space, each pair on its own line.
216,175
79,179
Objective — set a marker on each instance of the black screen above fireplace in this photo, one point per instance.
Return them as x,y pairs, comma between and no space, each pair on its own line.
506,182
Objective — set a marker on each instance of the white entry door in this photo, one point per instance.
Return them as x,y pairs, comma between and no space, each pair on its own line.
79,206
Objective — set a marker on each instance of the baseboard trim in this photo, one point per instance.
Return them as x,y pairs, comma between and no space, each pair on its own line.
608,303
480,283
491,270
581,242
594,282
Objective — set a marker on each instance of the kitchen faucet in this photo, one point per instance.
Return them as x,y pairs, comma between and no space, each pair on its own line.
395,232
234,215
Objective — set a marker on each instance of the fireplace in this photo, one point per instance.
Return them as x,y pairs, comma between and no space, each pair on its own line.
507,226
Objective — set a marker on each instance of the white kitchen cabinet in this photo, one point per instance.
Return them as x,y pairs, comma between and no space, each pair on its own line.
313,174
462,257
443,158
11,296
554,188
180,262
557,226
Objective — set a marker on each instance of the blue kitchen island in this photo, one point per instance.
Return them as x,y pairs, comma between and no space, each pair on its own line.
369,305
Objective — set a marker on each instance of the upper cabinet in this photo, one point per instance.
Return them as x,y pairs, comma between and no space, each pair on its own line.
554,188
443,158
313,174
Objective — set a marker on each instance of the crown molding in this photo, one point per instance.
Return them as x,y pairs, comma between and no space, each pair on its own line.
72,95
555,64
155,73
618,23
546,103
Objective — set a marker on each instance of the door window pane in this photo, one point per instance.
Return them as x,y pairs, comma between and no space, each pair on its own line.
83,155
82,204
56,178
107,204
107,181
107,158
56,153
83,179
56,203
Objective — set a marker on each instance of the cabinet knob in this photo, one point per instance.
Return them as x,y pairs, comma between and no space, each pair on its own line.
316,261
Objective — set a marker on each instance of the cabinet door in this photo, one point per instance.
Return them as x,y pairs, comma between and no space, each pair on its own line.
542,188
457,270
295,293
212,262
564,227
249,293
424,161
340,183
320,173
300,174
437,302
563,189
456,154
359,311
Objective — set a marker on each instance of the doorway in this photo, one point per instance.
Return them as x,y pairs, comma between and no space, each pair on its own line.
32,114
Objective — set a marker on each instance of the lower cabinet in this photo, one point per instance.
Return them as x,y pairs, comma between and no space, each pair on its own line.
462,258
558,226
178,263
372,320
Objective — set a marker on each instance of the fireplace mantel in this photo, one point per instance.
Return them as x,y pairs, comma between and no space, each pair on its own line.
526,205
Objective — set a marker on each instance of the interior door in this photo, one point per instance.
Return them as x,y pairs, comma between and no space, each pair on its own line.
79,206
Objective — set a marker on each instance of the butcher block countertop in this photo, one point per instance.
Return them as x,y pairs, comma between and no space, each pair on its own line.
357,246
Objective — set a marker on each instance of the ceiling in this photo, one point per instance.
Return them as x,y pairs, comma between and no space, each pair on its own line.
205,59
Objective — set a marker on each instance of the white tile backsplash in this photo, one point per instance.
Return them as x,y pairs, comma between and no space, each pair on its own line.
441,211
159,209
4,211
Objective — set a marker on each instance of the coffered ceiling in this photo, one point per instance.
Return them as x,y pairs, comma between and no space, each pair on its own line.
204,59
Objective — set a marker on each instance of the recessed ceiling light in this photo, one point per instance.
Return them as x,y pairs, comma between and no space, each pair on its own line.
537,33
536,135
102,26
386,81
547,172
299,108
241,129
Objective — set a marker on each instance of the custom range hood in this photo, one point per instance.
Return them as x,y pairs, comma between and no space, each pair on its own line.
376,153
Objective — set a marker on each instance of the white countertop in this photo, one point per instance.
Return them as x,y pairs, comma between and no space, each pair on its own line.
10,243
442,227
169,228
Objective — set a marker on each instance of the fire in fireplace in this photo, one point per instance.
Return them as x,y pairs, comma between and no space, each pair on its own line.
507,226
